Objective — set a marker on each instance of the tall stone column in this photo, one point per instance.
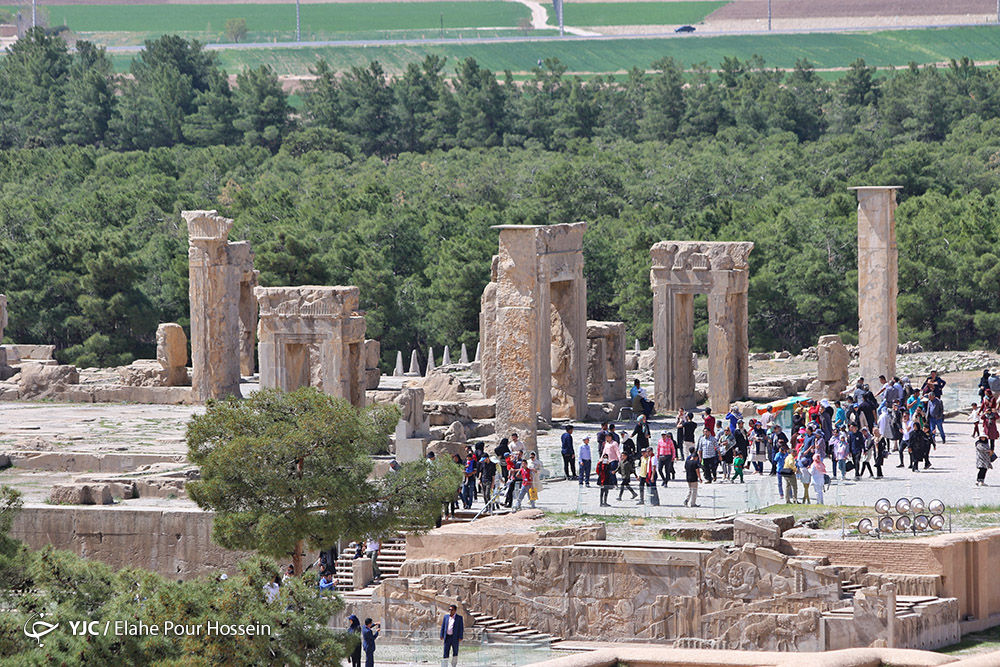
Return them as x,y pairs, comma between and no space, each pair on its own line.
215,297
878,286
517,336
728,339
673,338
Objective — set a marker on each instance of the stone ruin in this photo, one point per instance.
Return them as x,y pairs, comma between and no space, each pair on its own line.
312,336
680,270
832,377
606,361
223,310
373,351
413,430
878,274
537,293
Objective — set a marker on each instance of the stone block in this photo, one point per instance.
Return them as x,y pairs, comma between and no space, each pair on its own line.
362,573
81,494
833,359
703,532
647,358
171,346
456,433
41,381
372,378
438,387
373,353
765,393
757,530
481,409
18,353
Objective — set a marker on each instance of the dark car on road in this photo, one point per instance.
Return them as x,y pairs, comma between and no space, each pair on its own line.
685,28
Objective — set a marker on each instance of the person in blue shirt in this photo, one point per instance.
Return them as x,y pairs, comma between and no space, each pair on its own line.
327,585
839,416
369,634
568,455
469,485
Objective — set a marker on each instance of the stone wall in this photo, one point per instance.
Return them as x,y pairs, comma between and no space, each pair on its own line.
173,542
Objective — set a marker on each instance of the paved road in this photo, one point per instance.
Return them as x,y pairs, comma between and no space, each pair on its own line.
951,479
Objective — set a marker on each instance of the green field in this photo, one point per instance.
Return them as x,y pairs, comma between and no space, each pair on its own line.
823,50
637,13
320,18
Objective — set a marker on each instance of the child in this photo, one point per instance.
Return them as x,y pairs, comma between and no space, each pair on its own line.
974,417
738,463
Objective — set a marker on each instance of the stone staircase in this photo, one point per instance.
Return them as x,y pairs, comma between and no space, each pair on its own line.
390,558
496,629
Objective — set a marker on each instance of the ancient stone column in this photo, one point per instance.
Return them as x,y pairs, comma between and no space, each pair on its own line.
398,371
446,356
487,335
728,339
414,363
878,274
241,258
215,297
673,337
430,362
3,314
464,357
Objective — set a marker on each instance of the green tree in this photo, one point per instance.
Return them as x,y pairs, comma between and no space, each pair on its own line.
33,79
236,29
281,470
263,113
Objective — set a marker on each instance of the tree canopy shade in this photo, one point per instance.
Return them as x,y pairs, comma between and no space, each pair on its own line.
281,470
69,589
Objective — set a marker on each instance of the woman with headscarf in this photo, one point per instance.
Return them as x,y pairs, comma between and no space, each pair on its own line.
355,629
984,459
818,473
605,479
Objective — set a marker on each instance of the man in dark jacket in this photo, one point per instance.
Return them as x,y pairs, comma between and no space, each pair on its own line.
452,631
856,447
568,453
369,634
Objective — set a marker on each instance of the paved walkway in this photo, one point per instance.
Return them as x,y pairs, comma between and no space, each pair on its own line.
951,479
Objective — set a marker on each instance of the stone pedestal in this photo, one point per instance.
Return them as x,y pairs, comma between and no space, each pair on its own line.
680,270
215,298
832,377
878,274
171,353
534,328
312,336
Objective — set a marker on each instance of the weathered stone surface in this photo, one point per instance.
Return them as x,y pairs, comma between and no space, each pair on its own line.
878,274
312,336
373,353
680,270
605,361
464,357
398,370
537,341
3,314
171,346
438,387
81,494
759,530
43,381
429,368
241,259
18,353
412,430
150,373
456,433
833,359
414,364
647,360
704,532
214,285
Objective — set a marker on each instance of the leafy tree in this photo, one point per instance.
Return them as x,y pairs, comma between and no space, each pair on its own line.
236,29
263,113
284,469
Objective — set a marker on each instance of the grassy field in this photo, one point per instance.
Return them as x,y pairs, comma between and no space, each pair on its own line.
637,13
320,18
823,50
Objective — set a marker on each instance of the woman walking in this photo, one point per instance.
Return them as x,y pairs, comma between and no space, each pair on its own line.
355,629
984,456
605,479
868,454
818,473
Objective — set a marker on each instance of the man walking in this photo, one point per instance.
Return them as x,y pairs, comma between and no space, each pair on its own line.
692,470
452,631
709,455
568,455
369,634
585,462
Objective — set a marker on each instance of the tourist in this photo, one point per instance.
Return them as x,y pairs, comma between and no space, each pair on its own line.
629,450
818,473
613,452
640,400
513,482
803,463
600,438
856,448
327,585
469,482
935,415
516,445
936,383
974,418
726,446
524,475
838,449
627,470
487,477
372,550
690,427
733,417
990,426
707,448
692,470
709,422
868,453
642,433
272,589
767,419
681,419
452,633
788,472
738,462
839,416
355,629
647,477
881,451
665,452
535,467
290,570
605,479
568,454
984,383
613,434
758,446
984,459
369,634
585,461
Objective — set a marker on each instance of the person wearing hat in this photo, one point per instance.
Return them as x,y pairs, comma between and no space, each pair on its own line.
585,461
984,459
